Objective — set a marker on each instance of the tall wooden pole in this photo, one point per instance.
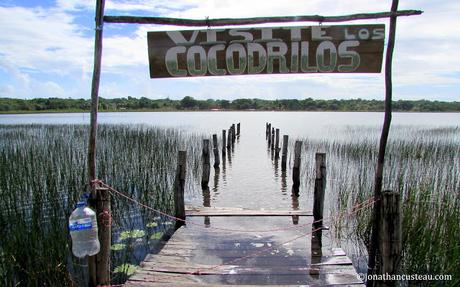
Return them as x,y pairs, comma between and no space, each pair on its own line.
179,188
383,143
92,262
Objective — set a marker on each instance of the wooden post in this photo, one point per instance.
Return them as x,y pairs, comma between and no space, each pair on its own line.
320,187
296,167
390,243
238,126
104,222
273,139
284,152
266,131
216,151
269,134
206,164
233,134
179,187
224,142
229,138
277,143
382,145
92,262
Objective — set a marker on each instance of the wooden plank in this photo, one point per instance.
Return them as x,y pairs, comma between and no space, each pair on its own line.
305,279
225,211
176,266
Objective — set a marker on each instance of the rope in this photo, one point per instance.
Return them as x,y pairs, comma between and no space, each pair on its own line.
201,271
366,202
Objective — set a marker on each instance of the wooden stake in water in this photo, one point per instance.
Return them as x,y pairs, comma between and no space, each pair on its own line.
390,243
266,131
320,187
206,164
269,134
296,167
179,187
224,142
229,138
284,152
273,139
233,134
216,151
277,143
238,129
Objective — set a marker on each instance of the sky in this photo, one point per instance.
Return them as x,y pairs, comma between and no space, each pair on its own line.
47,46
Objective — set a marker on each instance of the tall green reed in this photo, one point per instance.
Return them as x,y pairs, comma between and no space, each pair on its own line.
43,174
422,165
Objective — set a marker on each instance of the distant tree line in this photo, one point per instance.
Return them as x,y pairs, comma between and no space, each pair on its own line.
191,104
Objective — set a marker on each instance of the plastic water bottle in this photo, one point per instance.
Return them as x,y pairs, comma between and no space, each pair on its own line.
83,230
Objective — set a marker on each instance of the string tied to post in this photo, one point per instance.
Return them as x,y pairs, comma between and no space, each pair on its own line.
208,23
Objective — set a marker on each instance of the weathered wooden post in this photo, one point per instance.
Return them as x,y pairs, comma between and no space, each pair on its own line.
269,134
238,126
390,243
179,187
93,264
229,138
216,151
296,167
320,187
224,142
277,143
273,139
104,223
284,152
378,180
206,164
233,134
266,131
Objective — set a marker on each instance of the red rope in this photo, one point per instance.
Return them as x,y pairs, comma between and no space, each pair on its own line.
220,228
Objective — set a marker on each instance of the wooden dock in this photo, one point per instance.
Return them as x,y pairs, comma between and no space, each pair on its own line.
200,256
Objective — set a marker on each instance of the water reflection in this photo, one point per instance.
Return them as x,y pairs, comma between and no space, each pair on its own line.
295,206
316,252
283,182
207,203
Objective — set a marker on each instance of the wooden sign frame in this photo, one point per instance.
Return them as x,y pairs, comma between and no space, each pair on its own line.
99,268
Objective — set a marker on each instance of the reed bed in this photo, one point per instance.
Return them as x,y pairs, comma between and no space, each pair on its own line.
43,173
422,164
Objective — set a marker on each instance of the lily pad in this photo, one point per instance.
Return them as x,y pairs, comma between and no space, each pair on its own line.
126,268
136,233
118,247
156,235
152,224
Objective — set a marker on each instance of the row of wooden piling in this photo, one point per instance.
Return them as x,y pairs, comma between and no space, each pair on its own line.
390,209
228,141
272,136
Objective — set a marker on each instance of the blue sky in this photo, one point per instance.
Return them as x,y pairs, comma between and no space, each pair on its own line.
46,50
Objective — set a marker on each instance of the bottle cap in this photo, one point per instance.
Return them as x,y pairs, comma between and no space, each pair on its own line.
81,204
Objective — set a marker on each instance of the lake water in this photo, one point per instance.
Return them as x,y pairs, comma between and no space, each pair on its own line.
250,177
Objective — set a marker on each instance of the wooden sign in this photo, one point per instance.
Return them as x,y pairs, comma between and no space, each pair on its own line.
281,50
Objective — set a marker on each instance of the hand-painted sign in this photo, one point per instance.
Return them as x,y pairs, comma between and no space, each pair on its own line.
281,50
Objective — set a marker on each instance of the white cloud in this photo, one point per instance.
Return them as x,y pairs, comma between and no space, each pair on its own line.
43,40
